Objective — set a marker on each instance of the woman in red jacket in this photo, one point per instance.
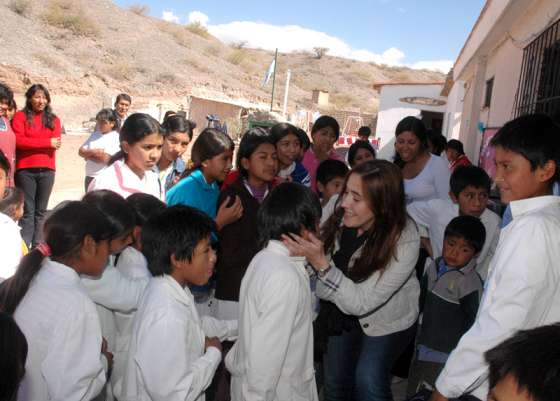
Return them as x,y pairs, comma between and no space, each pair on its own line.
37,132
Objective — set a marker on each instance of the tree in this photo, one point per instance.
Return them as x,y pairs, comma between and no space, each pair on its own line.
320,51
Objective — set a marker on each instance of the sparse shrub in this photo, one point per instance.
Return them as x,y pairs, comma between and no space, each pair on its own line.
21,7
237,56
320,51
139,9
239,45
46,60
177,31
69,15
212,50
198,29
121,71
166,78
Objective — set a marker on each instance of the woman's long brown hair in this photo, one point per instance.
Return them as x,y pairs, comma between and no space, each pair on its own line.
383,187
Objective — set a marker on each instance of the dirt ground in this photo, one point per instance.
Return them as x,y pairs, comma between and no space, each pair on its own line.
70,171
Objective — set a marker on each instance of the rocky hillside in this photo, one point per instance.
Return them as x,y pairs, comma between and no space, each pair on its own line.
87,51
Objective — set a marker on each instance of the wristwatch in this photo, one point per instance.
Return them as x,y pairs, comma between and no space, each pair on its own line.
322,272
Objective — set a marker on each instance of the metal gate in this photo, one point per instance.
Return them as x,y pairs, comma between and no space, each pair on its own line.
538,90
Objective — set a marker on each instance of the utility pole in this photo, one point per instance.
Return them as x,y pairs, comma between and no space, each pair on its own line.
285,109
274,77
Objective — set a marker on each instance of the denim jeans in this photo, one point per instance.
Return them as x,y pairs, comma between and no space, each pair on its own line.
358,367
36,184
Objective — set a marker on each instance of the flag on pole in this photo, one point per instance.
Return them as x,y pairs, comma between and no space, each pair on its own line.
270,72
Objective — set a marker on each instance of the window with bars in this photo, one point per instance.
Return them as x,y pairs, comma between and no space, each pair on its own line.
538,90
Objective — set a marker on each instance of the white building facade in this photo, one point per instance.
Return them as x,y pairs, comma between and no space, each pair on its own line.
399,100
509,66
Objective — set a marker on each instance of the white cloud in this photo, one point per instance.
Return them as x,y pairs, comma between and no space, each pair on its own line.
290,38
198,17
438,65
169,16
401,10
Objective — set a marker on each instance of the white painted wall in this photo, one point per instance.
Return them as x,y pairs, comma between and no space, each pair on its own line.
495,49
392,110
454,111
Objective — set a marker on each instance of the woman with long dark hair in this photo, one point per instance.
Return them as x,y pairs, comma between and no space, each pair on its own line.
426,176
37,132
365,269
131,169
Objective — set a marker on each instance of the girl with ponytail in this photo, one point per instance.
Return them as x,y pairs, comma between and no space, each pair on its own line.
66,358
130,170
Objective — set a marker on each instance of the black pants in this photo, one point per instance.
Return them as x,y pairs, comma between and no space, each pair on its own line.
36,184
87,181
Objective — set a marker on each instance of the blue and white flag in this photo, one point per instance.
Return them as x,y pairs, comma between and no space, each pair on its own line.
269,72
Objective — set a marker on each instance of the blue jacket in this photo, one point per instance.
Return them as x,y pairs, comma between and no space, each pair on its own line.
194,191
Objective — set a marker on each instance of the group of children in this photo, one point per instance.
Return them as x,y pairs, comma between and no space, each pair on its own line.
109,302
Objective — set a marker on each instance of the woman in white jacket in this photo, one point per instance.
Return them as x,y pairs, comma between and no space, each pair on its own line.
367,272
173,353
65,353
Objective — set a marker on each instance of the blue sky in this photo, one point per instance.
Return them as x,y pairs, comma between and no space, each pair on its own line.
417,33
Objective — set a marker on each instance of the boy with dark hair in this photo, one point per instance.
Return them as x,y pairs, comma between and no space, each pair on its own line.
273,358
456,154
174,353
330,179
469,189
450,293
364,133
526,367
523,286
7,136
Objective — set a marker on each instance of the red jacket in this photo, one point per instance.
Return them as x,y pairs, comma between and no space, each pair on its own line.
33,141
462,160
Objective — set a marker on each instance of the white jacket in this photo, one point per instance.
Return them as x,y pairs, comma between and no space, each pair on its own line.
118,177
522,292
166,358
273,358
11,246
113,291
59,321
385,303
132,263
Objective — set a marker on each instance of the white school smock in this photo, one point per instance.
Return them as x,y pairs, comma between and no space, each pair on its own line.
59,321
166,358
522,292
273,358
132,263
11,246
431,183
108,142
436,214
118,177
111,292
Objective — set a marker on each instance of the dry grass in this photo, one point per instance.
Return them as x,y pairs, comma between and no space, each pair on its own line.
139,9
121,71
212,50
69,15
21,7
178,32
167,78
198,29
46,60
237,56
